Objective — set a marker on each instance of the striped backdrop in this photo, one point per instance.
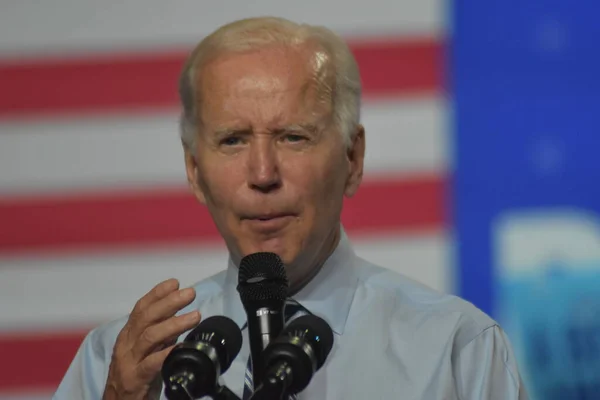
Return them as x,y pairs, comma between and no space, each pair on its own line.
94,209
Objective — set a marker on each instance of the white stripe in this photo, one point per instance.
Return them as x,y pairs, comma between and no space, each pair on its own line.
78,291
402,136
64,25
408,135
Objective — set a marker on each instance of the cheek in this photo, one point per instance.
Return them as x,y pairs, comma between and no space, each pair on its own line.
334,183
221,183
320,182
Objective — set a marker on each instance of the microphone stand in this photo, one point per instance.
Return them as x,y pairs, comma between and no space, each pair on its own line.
224,393
221,392
267,393
275,384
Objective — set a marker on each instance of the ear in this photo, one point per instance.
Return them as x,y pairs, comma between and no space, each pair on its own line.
193,177
356,159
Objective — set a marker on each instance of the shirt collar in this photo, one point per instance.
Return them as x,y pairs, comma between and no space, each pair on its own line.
328,295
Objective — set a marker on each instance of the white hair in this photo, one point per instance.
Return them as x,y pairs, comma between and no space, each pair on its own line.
256,33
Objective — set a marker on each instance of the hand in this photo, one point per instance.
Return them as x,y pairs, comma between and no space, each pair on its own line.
145,341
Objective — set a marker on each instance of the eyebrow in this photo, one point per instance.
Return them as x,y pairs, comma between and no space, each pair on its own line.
224,132
309,127
312,128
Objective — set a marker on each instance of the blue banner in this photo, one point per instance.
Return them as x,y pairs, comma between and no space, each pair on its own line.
525,85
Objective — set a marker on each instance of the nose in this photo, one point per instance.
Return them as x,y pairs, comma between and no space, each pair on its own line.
264,174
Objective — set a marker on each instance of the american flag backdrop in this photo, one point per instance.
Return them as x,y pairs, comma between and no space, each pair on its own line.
94,207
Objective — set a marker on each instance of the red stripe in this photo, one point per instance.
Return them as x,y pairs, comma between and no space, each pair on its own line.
162,217
149,81
33,363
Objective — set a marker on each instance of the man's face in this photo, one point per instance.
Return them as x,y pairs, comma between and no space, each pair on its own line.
270,165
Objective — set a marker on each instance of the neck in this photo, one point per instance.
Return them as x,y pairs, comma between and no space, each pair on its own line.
299,277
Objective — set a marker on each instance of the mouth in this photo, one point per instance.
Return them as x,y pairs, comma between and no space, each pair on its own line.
267,223
267,216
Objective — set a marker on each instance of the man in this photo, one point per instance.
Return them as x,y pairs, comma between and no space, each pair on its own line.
272,144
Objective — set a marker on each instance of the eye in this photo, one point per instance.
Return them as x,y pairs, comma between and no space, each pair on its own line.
231,141
294,138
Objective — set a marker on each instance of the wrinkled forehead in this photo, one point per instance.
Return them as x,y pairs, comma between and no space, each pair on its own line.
292,78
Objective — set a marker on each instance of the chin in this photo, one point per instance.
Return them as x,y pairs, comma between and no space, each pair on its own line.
285,250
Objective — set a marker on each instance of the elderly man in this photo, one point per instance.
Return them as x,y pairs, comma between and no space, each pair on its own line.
272,143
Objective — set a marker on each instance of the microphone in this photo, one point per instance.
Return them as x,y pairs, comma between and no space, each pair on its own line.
192,369
293,358
263,288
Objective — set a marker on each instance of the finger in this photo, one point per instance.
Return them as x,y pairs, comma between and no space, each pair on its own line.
162,309
166,343
151,365
158,292
163,333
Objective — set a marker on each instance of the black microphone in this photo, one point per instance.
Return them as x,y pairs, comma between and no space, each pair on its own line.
294,357
192,369
263,288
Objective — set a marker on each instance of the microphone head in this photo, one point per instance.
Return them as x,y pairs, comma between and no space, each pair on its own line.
221,332
316,332
192,369
262,277
303,347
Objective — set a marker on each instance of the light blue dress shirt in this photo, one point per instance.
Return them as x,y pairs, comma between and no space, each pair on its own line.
394,339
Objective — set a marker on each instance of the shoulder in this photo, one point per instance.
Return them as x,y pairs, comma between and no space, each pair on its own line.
411,301
440,335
